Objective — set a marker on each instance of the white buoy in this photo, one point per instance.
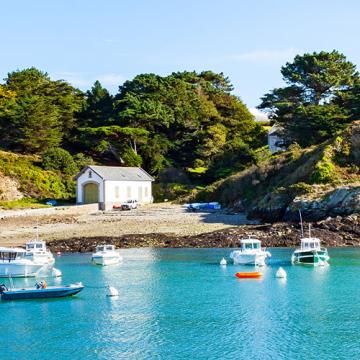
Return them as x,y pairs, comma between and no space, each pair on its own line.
223,262
112,291
281,273
58,253
56,272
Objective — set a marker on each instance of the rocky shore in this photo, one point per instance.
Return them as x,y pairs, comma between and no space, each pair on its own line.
333,232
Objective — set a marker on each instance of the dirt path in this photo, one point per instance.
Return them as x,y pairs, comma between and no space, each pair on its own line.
162,218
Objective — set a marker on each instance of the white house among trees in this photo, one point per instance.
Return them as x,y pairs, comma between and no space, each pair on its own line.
109,185
276,138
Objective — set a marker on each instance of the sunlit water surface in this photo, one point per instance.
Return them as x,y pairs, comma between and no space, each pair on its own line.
180,304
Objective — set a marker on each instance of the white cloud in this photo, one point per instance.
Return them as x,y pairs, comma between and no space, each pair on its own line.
262,56
259,115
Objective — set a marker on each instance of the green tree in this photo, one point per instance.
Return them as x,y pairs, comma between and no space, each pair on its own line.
42,107
97,109
306,108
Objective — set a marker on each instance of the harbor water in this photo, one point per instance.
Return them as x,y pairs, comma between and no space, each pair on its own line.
181,304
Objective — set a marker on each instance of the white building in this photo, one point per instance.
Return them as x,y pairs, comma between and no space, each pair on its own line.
109,185
275,139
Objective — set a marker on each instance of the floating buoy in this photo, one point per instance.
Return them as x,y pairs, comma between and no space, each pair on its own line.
248,275
281,273
56,272
58,253
112,291
223,262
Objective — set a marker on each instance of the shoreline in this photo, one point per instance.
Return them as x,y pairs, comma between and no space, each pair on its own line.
164,225
332,233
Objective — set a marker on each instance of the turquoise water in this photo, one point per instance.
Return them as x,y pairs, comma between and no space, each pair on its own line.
180,304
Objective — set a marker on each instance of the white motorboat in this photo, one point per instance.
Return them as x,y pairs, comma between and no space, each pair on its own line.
13,263
106,255
37,251
250,253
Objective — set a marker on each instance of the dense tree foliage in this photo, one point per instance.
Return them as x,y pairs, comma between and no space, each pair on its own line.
186,120
41,113
316,102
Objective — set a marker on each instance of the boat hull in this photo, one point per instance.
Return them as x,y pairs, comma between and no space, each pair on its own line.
313,258
248,259
47,293
18,270
104,261
249,275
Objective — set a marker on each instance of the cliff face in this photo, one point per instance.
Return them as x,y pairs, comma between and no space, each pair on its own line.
322,181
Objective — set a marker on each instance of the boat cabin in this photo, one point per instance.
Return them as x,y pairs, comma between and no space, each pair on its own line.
310,244
36,246
11,254
250,244
101,248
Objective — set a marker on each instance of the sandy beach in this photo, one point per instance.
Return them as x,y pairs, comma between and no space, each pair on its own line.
17,227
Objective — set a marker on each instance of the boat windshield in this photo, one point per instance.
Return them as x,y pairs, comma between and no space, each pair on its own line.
100,248
9,256
30,246
310,244
110,247
250,246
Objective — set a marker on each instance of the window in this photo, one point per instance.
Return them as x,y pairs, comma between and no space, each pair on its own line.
117,192
248,246
128,191
90,174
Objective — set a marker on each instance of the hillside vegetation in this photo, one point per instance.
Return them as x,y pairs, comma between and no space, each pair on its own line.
309,179
23,179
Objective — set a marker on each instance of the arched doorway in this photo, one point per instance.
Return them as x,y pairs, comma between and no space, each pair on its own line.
91,193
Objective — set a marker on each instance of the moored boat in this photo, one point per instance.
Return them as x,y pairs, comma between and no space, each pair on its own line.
248,275
106,255
250,253
37,252
40,293
13,262
310,253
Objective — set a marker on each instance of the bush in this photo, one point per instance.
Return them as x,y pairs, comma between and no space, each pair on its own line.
325,170
60,160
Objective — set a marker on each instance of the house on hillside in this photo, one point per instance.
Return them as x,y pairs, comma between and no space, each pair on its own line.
109,185
276,138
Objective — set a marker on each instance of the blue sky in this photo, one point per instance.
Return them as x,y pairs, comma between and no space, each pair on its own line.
113,41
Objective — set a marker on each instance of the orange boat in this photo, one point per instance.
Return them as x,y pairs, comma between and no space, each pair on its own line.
249,275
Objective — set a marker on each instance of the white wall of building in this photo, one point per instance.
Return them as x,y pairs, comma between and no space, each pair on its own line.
273,140
118,191
86,178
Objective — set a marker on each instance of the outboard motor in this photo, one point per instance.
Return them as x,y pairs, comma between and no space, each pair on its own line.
3,288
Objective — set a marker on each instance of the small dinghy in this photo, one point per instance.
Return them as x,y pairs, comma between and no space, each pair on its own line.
40,292
249,275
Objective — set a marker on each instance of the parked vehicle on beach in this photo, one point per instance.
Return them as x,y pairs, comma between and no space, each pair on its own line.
129,204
